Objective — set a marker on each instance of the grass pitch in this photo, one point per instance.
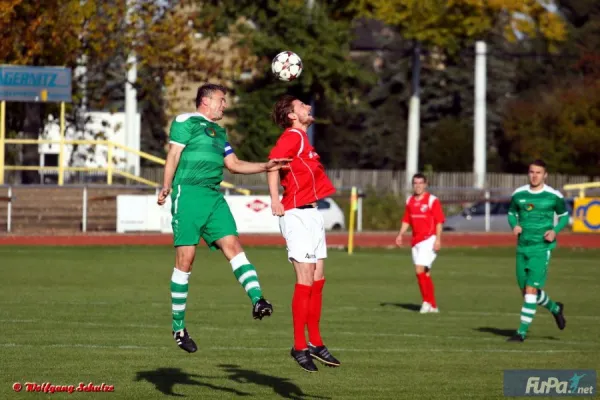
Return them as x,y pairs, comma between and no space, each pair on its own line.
102,314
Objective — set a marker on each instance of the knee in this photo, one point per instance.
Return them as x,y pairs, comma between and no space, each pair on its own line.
231,247
305,279
305,274
184,261
530,290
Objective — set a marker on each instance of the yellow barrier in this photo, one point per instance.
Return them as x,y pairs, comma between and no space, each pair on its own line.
353,209
109,169
586,215
581,187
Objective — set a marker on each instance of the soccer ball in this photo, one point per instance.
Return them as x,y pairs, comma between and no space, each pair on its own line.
286,66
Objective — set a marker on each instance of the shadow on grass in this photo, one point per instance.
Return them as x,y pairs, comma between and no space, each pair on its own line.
507,332
164,379
496,331
406,306
282,387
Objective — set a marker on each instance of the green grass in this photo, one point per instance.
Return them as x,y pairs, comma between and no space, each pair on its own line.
70,315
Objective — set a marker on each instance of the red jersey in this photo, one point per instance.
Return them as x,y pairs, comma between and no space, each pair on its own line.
305,181
423,215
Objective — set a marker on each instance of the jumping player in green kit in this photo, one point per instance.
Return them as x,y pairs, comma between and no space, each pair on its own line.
198,152
531,216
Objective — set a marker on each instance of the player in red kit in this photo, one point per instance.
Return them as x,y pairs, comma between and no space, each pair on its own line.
424,214
304,182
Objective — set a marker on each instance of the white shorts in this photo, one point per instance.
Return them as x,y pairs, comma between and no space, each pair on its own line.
304,233
423,253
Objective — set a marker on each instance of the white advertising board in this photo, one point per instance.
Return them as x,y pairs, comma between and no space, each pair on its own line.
140,213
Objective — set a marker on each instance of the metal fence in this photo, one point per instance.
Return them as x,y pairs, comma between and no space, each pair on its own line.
388,180
377,180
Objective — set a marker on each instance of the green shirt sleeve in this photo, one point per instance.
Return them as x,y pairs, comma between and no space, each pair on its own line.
180,133
560,209
512,213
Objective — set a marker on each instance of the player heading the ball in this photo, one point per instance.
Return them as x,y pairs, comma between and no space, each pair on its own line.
301,224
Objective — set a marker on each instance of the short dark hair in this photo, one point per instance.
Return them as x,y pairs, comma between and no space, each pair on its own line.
207,90
281,110
419,175
539,163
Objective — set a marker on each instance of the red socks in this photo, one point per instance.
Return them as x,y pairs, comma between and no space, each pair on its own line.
430,291
300,303
426,287
423,286
306,311
314,313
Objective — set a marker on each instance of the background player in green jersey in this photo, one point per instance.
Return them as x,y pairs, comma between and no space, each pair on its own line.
531,216
198,152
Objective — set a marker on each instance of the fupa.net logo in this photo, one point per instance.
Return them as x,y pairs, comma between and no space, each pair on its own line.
550,382
555,386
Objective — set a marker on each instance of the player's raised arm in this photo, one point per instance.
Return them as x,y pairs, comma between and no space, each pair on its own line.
237,166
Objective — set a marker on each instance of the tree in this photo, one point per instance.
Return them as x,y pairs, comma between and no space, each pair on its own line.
98,35
446,23
562,126
267,27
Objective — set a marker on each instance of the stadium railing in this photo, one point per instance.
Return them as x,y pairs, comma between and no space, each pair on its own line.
109,169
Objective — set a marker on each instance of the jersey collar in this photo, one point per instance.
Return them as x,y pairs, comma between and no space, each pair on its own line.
203,116
538,192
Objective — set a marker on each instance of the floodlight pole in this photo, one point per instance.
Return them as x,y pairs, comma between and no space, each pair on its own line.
61,151
412,142
132,140
479,142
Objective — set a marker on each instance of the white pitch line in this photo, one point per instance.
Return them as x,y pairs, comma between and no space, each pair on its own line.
264,349
286,333
382,308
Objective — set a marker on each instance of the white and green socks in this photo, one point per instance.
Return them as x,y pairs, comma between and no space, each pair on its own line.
179,293
527,313
246,274
545,301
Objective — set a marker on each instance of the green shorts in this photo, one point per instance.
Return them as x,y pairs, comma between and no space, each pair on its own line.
200,212
532,268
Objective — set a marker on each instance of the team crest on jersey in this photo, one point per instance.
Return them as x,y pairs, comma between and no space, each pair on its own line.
210,132
529,207
424,208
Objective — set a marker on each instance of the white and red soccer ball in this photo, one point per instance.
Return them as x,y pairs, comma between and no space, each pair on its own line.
286,66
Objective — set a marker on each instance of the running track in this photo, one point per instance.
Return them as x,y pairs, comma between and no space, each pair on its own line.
363,239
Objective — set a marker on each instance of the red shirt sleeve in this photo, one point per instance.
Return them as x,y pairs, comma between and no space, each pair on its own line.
287,146
438,213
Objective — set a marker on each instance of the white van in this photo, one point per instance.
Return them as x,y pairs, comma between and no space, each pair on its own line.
332,214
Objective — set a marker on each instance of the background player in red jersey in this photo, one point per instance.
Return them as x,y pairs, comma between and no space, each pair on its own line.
424,214
304,182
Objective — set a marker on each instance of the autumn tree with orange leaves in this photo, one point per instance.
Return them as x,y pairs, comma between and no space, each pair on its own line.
100,35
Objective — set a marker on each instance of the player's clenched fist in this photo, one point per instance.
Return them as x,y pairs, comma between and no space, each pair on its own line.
277,209
162,196
517,230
